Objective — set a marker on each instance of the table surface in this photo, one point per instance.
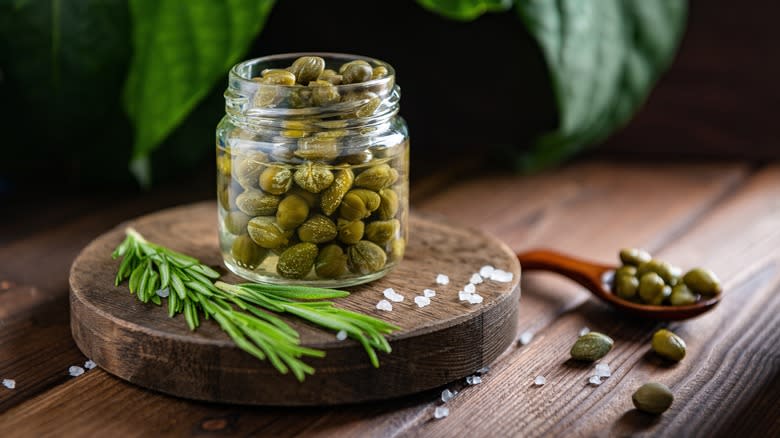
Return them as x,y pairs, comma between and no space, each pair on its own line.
725,216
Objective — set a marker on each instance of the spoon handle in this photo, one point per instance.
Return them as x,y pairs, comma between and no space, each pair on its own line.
586,273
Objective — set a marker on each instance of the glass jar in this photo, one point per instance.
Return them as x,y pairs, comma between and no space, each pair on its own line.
312,177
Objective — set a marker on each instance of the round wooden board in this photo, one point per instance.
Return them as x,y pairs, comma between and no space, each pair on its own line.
438,344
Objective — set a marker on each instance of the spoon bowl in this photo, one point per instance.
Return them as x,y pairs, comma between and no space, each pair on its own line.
597,278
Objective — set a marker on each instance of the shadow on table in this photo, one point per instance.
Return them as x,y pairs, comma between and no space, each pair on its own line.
632,422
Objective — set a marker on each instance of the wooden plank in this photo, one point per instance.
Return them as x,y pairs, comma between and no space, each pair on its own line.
538,209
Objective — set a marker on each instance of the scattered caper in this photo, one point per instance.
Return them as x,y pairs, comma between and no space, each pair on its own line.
351,231
366,257
702,281
381,232
297,261
292,211
265,232
668,345
377,177
235,222
317,229
332,196
653,398
257,203
314,177
247,253
307,68
592,346
331,262
276,180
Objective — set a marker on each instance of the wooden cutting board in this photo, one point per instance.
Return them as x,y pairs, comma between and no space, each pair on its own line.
440,343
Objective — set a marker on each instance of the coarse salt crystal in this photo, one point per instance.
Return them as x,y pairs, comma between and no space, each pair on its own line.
476,278
448,395
594,380
540,380
428,293
392,295
441,412
525,338
75,371
584,331
602,370
469,288
89,364
9,383
463,296
422,301
475,299
384,305
442,279
341,335
486,271
501,276
163,292
473,380
483,370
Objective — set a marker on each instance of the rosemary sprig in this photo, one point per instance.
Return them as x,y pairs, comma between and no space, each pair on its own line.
243,311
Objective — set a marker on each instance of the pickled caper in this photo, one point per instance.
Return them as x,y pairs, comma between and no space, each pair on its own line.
317,148
299,97
248,167
351,231
359,204
332,196
702,281
370,102
257,203
311,198
247,253
324,93
634,256
297,261
275,76
227,195
317,229
653,398
314,177
235,222
397,249
670,274
626,286
276,180
307,68
682,295
592,346
346,65
292,211
267,95
264,231
652,289
331,262
330,76
625,270
366,257
356,71
388,205
377,177
381,232
668,345
379,72
224,164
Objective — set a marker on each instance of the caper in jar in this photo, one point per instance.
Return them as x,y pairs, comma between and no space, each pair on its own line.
276,180
224,164
330,76
670,274
366,257
653,398
702,281
311,198
668,345
264,231
247,253
297,261
652,289
388,205
377,177
681,295
317,149
307,68
324,93
235,222
292,211
314,177
356,71
592,346
317,229
332,196
248,167
379,72
257,203
359,204
350,231
275,76
331,262
397,249
299,97
370,102
381,232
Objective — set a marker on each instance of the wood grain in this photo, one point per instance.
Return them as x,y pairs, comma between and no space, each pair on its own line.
141,344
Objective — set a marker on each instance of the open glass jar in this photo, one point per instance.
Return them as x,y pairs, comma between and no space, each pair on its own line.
312,170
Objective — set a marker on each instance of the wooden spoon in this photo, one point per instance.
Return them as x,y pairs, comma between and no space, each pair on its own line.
597,279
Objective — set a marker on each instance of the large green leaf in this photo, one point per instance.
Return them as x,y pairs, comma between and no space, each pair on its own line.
465,9
603,57
181,49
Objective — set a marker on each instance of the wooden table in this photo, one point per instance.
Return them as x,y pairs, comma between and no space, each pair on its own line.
725,216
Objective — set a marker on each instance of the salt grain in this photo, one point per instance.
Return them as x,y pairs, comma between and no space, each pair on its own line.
9,383
392,295
75,371
486,271
463,296
475,299
163,292
89,364
501,276
341,335
483,370
442,279
428,293
448,395
525,338
470,288
602,370
422,301
476,279
540,380
594,380
441,412
584,331
384,305
473,380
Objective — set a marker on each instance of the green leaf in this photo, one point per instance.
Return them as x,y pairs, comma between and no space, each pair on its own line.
181,50
465,10
603,58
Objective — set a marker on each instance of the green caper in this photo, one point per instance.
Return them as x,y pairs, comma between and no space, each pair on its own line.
297,260
227,195
653,398
276,180
652,289
299,97
356,71
381,232
331,262
314,177
670,274
267,95
634,256
370,102
366,257
397,249
682,296
350,232
265,232
668,345
379,72
592,346
357,157
257,203
276,76
626,286
311,198
388,205
235,222
625,270
307,68
317,148
330,76
332,196
248,167
317,229
224,164
247,253
377,177
324,93
702,281
292,211
359,204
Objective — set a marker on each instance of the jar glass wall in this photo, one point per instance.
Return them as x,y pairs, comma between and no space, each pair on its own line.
312,170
